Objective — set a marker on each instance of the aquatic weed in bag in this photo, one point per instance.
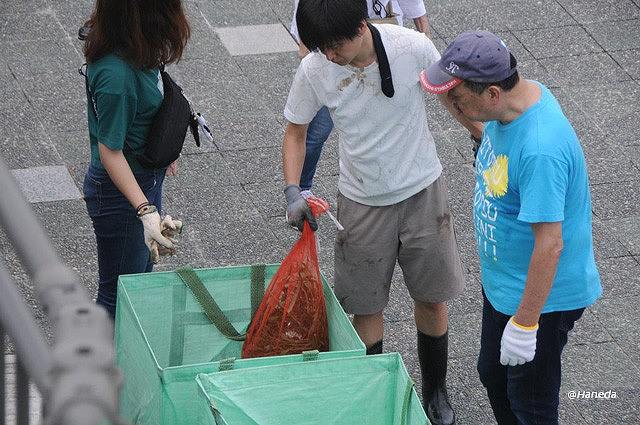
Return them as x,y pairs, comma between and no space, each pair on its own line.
292,317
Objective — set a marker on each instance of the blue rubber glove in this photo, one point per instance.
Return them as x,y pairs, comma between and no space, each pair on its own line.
297,209
518,344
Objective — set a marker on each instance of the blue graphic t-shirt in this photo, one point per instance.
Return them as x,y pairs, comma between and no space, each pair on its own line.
532,170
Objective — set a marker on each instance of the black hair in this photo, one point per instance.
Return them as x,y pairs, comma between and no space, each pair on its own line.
323,23
506,84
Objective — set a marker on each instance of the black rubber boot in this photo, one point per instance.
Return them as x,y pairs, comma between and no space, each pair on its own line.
375,348
432,354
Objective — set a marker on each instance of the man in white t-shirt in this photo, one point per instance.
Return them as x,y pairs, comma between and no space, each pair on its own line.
320,127
391,201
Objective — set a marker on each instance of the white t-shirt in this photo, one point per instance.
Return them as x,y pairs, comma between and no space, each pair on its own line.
387,153
403,8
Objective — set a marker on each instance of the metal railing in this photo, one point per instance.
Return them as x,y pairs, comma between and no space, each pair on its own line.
76,376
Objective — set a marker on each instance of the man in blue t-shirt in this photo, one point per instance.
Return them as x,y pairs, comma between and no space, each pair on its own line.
532,216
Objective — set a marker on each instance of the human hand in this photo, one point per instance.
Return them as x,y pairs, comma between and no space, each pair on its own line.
518,344
153,231
172,169
297,208
422,25
170,229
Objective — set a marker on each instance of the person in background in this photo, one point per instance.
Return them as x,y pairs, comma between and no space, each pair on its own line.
125,44
320,127
532,215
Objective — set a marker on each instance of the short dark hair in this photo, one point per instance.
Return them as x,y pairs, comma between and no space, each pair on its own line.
506,84
146,33
322,23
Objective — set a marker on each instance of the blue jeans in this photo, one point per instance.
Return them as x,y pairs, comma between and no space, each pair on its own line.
317,133
527,394
119,233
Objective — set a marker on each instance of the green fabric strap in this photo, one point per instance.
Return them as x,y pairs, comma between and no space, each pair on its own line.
208,304
408,392
211,308
257,287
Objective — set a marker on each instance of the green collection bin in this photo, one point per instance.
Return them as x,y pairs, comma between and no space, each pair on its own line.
163,340
368,390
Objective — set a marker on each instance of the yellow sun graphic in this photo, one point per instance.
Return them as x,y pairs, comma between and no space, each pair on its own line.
496,177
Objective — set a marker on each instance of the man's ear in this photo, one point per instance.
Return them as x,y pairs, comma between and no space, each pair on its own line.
362,28
494,94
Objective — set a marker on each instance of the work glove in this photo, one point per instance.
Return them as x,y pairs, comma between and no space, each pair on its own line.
297,208
518,344
153,230
170,229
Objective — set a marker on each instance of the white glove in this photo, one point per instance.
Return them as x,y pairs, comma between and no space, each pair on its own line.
518,344
153,230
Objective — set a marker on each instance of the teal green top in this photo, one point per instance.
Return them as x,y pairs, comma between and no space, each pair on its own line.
126,99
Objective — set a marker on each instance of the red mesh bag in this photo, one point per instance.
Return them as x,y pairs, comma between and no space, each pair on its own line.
292,316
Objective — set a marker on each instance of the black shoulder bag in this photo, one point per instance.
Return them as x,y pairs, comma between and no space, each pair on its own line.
168,128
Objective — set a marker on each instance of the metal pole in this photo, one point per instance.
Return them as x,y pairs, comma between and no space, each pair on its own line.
17,319
3,412
83,378
22,394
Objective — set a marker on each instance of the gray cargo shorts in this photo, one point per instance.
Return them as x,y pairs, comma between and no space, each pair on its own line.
417,233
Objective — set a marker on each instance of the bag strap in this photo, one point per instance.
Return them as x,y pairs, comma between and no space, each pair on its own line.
211,309
408,392
83,71
383,62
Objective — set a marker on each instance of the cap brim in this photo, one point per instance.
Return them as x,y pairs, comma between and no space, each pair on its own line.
435,80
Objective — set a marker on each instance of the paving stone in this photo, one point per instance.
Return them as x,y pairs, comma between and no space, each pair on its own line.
530,14
271,75
619,315
25,58
26,6
447,143
449,19
63,115
572,70
204,42
610,369
17,138
627,230
283,9
534,70
257,39
513,42
617,35
73,146
236,13
606,243
32,26
204,78
255,165
616,200
48,183
607,163
613,109
589,330
561,41
209,169
590,11
467,395
620,277
629,60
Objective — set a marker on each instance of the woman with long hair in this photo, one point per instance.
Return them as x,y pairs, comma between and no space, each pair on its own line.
127,43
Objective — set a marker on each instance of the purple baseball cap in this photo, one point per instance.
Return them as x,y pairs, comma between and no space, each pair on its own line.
478,56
